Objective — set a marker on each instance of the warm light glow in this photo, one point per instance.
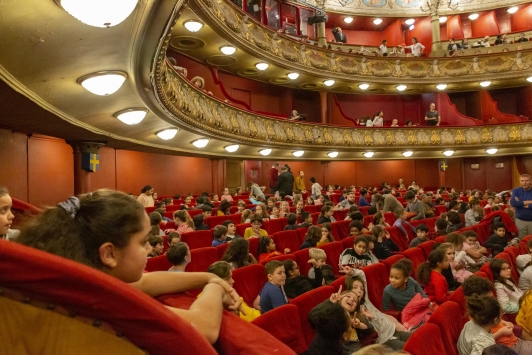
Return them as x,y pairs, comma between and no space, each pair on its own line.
513,9
262,66
99,13
232,148
329,82
193,25
298,153
410,21
473,17
332,154
401,87
228,50
293,76
485,84
265,152
103,83
491,150
167,133
201,143
131,116
377,21
408,153
529,79
441,86
411,28
368,154
348,19
363,86
448,153
443,19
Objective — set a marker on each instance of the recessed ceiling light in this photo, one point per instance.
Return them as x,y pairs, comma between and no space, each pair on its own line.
298,153
443,19
293,76
491,150
485,83
228,50
441,86
411,28
473,17
99,13
529,79
167,134
265,152
332,154
401,87
377,21
262,66
513,9
408,153
193,25
448,153
131,116
200,143
329,82
410,21
348,19
104,82
232,148
363,86
368,154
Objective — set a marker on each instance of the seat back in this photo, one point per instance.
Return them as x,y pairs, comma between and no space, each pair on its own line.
281,258
284,324
426,247
449,319
275,225
333,251
158,263
377,279
241,228
417,257
221,250
340,215
339,282
513,251
511,262
249,281
286,239
348,242
197,239
301,233
398,237
201,259
305,303
486,269
439,209
417,344
392,260
389,217
343,228
301,258
458,297
483,231
254,247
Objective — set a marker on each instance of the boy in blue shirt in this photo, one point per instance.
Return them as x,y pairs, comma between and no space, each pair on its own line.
400,214
272,294
220,235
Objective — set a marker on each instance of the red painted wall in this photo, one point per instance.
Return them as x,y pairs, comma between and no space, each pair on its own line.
364,38
394,33
524,100
522,19
449,114
454,28
423,32
14,163
485,25
105,177
487,176
504,21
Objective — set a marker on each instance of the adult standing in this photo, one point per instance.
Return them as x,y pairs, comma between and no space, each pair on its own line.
299,183
146,196
432,116
416,48
386,203
273,175
285,181
521,200
339,36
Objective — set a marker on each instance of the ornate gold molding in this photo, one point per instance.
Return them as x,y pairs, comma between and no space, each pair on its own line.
260,41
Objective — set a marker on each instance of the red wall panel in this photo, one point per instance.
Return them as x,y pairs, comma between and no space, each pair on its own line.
364,38
105,177
504,21
14,163
51,172
524,101
485,25
452,177
394,33
490,110
454,28
450,116
253,171
423,32
475,178
343,173
499,179
522,19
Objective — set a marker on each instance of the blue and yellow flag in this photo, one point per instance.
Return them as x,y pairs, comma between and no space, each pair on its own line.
443,165
90,162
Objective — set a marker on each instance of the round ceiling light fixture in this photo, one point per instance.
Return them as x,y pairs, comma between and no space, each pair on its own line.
103,83
193,25
228,50
265,151
410,21
448,153
368,154
443,19
167,134
513,9
293,76
348,19
529,79
441,86
99,13
298,153
332,154
408,153
131,116
401,87
201,143
473,17
329,82
485,84
262,66
232,148
492,151
363,86
377,21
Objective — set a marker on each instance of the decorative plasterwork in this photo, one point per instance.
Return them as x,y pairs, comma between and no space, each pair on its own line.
258,40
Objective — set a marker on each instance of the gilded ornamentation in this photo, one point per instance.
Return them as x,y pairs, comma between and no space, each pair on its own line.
473,136
475,67
390,137
411,137
486,135
327,137
260,38
368,138
309,138
318,59
435,137
348,65
459,137
398,70
514,133
230,17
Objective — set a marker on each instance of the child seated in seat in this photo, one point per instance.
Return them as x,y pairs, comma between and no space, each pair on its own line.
473,249
402,287
476,335
422,231
497,242
441,226
156,243
231,230
238,255
356,229
384,245
268,249
306,217
455,274
430,276
272,294
255,231
220,235
241,206
179,256
198,223
274,212
246,216
401,222
356,257
291,219
297,284
173,238
318,258
508,294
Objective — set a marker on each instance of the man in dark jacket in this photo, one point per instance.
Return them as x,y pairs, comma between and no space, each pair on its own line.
285,182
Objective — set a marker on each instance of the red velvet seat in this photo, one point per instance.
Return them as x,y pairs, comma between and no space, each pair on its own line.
202,258
486,269
286,239
439,209
333,251
427,247
458,297
448,318
364,210
483,232
315,217
301,258
241,228
301,233
96,296
198,239
312,208
377,277
221,250
392,260
339,282
389,217
343,228
340,215
158,263
398,237
440,239
419,343
348,242
280,258
305,303
214,221
249,281
284,324
274,226
416,256
254,247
